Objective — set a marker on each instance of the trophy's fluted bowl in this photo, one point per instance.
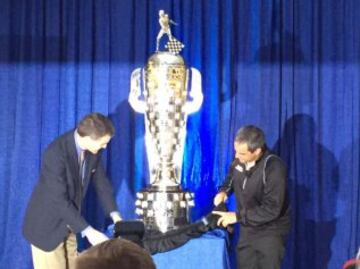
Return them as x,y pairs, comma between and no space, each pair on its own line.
165,96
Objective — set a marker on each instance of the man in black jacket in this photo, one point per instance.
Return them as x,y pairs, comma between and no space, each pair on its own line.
53,216
259,180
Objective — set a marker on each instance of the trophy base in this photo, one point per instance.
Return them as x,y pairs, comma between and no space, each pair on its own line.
164,210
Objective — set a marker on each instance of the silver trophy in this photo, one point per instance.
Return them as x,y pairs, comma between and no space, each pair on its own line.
160,92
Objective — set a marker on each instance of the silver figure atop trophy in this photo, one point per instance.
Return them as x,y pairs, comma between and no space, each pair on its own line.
174,46
160,92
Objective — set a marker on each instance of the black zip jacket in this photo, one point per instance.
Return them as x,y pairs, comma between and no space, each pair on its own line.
261,196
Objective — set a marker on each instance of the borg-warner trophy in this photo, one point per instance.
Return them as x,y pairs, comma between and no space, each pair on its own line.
160,92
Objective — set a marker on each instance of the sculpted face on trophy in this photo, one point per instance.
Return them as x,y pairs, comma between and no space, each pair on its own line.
166,92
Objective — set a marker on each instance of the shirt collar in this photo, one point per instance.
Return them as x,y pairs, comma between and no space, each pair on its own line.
264,153
78,149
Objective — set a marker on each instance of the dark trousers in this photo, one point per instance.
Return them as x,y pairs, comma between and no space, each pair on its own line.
260,253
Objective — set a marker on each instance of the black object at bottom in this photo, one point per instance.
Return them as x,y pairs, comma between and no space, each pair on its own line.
155,241
130,230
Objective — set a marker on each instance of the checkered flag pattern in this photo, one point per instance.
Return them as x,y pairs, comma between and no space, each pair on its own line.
174,46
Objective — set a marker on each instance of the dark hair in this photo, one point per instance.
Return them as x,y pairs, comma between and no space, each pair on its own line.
114,254
96,126
251,135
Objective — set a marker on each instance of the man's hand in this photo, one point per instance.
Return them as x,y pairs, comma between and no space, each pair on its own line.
94,236
226,218
220,197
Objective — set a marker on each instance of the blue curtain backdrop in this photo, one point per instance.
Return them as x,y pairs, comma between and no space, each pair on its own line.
288,66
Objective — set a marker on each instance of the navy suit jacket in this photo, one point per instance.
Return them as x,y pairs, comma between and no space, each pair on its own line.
55,204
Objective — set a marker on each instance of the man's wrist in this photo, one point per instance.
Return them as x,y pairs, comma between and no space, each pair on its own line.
241,216
115,216
86,231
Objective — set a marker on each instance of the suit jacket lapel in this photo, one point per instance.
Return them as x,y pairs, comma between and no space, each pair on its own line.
73,163
72,155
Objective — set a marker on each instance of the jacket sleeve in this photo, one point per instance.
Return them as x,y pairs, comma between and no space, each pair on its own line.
54,176
228,185
274,196
104,189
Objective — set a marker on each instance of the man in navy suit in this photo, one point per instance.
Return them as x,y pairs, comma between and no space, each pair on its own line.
53,217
